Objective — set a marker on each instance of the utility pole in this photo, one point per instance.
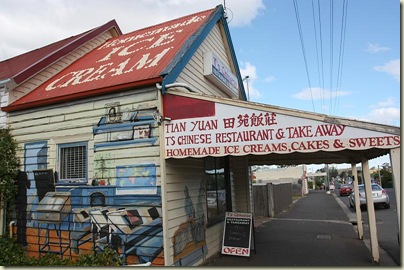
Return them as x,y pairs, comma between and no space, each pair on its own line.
380,176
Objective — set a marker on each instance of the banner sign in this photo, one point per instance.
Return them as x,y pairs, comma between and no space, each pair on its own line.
238,131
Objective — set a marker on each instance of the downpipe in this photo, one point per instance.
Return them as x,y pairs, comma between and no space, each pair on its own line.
10,225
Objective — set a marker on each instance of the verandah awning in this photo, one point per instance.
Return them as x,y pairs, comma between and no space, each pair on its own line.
200,126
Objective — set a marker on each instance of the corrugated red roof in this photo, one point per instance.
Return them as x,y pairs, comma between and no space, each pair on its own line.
13,66
24,66
134,59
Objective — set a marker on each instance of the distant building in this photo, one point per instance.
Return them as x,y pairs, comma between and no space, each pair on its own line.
280,175
296,175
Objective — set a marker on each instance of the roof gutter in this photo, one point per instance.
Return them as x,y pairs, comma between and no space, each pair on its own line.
7,85
3,83
165,87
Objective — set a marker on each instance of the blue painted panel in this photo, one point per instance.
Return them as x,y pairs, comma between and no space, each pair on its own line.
35,158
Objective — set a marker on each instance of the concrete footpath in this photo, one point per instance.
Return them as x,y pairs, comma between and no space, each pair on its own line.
314,231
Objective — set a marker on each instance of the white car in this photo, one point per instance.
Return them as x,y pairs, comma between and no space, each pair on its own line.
379,196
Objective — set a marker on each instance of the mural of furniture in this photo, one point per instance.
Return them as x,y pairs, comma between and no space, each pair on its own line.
100,228
150,247
140,230
82,232
52,210
97,198
97,195
88,196
44,182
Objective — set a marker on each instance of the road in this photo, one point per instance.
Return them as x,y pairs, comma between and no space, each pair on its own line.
387,225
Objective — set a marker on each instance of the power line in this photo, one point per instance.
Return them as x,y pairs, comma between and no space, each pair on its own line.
304,50
334,81
341,50
317,57
322,59
331,49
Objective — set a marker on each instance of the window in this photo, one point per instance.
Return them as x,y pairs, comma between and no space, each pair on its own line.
216,190
73,162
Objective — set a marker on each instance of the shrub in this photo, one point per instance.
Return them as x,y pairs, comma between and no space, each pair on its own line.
108,257
13,254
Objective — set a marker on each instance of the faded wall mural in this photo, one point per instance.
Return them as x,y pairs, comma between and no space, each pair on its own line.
120,208
189,241
73,220
136,179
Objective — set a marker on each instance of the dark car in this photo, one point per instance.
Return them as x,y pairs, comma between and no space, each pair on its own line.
345,190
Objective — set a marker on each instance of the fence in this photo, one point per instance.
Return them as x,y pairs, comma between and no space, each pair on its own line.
271,199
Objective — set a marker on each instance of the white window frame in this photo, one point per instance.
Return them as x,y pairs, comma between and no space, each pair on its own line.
83,174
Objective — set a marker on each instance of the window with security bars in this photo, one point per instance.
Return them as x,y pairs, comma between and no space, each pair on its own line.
73,162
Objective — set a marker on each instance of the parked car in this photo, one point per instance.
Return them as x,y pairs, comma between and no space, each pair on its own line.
379,195
345,190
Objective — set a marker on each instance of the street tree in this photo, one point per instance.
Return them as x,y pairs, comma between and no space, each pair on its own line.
9,164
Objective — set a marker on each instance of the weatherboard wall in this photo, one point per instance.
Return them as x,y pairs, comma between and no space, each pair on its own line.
82,121
193,71
3,102
186,205
75,122
186,208
191,239
186,175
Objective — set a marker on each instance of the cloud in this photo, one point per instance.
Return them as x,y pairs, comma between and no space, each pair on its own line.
387,115
385,112
392,67
390,101
269,79
319,93
24,30
240,14
250,71
375,48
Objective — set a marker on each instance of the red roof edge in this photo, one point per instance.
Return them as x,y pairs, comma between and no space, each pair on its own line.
57,54
86,94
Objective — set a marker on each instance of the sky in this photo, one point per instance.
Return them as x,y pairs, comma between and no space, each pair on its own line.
339,58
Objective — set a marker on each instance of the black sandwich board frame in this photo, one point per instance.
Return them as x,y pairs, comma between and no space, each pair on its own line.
238,234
